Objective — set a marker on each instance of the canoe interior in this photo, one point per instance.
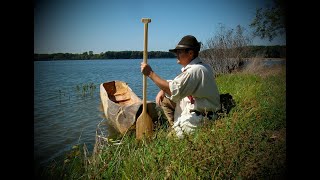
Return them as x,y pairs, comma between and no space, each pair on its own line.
120,93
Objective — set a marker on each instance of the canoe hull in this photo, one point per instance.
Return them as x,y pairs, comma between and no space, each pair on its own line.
122,106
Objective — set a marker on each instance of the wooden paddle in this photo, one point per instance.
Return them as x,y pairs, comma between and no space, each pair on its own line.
144,124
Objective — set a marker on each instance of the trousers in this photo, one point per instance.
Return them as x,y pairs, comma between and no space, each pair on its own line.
168,108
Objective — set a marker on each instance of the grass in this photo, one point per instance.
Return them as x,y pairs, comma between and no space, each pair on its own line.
248,143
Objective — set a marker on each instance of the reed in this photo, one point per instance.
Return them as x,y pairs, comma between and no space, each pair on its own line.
85,89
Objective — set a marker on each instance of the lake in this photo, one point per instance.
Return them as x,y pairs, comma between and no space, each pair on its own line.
64,117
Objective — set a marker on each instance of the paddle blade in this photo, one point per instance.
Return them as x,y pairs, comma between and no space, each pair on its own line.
144,126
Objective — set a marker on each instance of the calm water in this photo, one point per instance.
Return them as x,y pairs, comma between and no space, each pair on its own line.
63,117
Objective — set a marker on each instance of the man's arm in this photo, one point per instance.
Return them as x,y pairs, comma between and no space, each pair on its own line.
161,83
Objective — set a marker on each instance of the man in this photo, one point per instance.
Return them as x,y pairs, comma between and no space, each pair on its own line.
190,96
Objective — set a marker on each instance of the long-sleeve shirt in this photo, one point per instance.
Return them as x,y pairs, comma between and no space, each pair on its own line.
194,89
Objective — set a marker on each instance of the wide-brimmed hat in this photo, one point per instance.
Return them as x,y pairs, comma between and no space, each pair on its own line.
187,42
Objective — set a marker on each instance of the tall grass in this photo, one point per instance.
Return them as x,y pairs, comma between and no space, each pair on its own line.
248,143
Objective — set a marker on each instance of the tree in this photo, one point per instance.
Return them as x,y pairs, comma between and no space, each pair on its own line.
270,22
226,50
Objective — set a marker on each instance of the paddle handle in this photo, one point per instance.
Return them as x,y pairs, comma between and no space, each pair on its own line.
145,60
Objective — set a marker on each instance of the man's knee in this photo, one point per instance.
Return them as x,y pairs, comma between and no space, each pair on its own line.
168,108
166,102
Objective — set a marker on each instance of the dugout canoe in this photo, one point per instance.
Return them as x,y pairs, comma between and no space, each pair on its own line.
122,106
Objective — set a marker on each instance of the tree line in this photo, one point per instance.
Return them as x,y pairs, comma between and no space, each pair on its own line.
106,55
254,51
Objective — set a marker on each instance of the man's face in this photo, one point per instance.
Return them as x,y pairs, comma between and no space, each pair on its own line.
184,56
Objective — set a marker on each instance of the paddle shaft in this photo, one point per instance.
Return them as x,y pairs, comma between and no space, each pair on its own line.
144,124
145,60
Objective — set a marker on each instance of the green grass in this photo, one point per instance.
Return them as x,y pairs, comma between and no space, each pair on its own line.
248,143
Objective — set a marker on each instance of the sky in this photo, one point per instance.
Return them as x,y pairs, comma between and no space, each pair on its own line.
77,26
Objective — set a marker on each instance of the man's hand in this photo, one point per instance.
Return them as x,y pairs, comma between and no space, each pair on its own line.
161,83
146,69
160,97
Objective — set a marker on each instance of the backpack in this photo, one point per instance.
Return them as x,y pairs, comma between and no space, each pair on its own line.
227,103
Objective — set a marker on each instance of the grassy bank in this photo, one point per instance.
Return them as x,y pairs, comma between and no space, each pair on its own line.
250,142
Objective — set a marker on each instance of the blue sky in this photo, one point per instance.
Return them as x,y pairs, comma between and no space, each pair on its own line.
77,26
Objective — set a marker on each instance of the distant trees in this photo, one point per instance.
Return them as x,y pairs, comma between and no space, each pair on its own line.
103,55
226,49
276,51
270,22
